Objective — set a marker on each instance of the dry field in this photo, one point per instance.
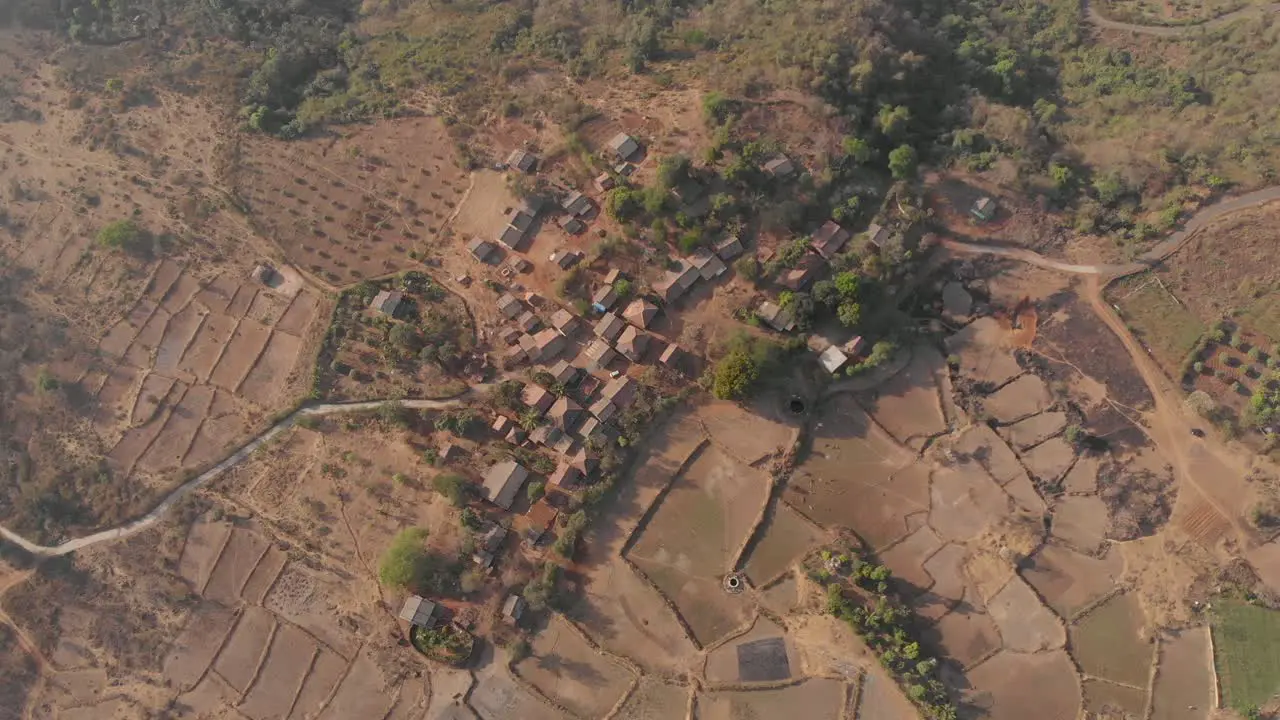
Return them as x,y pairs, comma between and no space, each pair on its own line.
569,670
160,355
353,207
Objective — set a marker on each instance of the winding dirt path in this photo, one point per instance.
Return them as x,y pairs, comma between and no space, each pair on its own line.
231,461
1097,19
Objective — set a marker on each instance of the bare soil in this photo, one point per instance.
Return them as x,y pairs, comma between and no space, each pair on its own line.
1010,686
1184,681
568,670
1112,642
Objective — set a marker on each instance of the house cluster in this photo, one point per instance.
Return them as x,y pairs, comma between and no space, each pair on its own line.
705,264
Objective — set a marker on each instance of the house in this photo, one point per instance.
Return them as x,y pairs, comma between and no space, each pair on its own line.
577,204
729,248
565,414
854,347
509,306
832,359
537,397
603,410
481,249
600,354
514,356
503,481
604,181
549,343
520,220
516,435
584,461
513,608
545,435
633,343
519,264
640,313
449,452
780,167
509,336
528,322
566,258
511,237
565,476
610,327
613,276
877,235
522,161
387,302
620,391
624,146
829,239
265,274
564,321
804,273
589,428
571,225
775,317
530,346
604,298
502,424
709,265
563,372
487,544
688,191
420,612
564,444
538,521
674,284
984,209
672,357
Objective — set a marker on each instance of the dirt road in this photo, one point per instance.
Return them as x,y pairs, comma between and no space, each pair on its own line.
1098,20
234,459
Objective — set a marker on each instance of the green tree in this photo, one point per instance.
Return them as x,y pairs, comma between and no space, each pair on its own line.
857,150
623,288
734,375
826,294
535,490
455,488
850,313
673,170
893,120
902,162
409,565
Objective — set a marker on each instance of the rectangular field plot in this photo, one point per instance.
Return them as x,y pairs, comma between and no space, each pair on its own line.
267,378
1246,641
196,646
170,447
1109,642
239,659
148,339
693,537
786,537
239,558
120,336
217,295
1184,682
326,671
816,699
182,329
282,675
242,352
207,346
221,430
1163,324
571,672
300,313
181,293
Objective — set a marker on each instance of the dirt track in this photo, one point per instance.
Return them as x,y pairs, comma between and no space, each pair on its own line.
234,459
1098,20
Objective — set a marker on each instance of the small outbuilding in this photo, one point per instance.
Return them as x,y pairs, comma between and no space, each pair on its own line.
780,167
984,209
604,298
387,302
420,612
833,359
513,608
481,249
829,239
775,317
509,306
610,327
729,248
577,204
624,146
523,161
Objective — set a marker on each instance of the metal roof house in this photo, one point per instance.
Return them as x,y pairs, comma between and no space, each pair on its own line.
624,146
387,302
420,612
503,481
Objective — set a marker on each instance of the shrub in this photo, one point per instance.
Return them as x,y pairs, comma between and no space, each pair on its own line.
1198,367
454,487
536,490
409,565
520,649
123,235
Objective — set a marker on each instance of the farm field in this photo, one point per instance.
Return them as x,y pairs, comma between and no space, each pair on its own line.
1245,653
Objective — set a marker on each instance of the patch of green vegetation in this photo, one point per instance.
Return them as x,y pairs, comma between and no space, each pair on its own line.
1247,652
746,361
124,235
1164,325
